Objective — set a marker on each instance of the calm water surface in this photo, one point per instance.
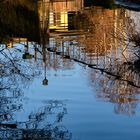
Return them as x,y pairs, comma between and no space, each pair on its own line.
79,83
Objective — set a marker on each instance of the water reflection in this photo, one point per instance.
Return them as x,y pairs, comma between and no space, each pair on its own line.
17,70
65,33
98,41
17,74
101,39
34,127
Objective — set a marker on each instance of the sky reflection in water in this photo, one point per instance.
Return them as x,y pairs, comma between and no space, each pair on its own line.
92,91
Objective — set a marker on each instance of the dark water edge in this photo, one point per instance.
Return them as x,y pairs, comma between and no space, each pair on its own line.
129,5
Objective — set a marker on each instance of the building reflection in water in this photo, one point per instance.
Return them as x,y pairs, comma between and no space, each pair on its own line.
56,12
17,70
98,38
92,37
96,29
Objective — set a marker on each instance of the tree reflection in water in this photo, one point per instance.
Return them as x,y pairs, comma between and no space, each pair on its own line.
16,74
116,51
37,126
119,81
121,90
17,70
13,72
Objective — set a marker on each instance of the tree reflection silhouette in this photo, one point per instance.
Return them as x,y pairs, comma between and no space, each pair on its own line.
117,75
37,126
121,90
16,74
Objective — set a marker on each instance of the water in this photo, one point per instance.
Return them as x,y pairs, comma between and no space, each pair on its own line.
79,83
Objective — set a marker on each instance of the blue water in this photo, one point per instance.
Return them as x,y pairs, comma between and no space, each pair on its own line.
78,102
87,116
